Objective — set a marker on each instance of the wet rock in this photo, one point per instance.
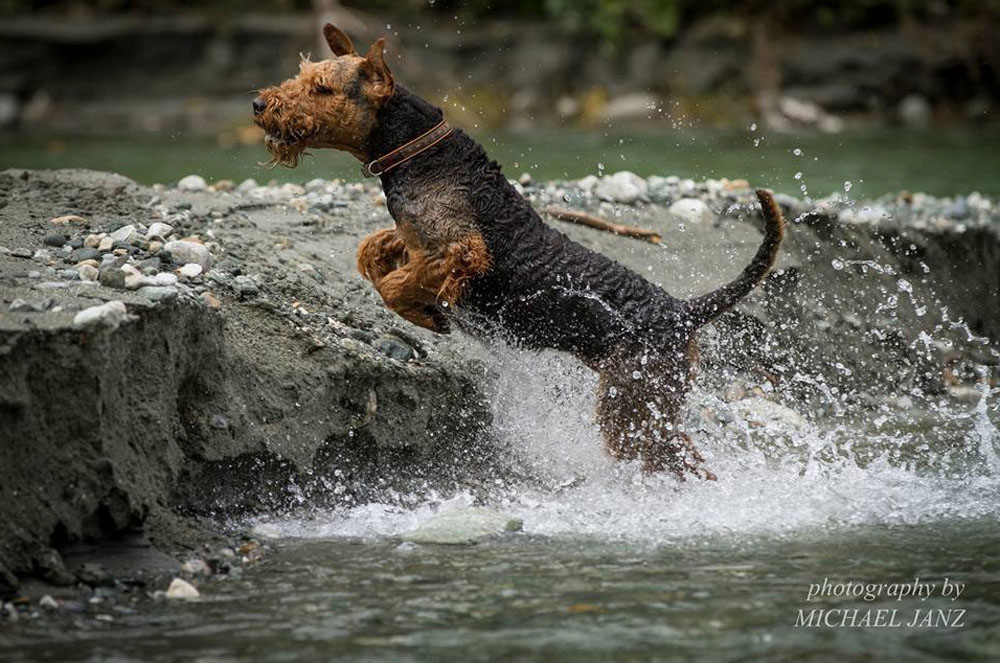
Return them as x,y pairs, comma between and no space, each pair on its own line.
394,348
155,293
48,603
112,277
463,526
182,589
95,575
244,287
192,183
691,210
184,252
958,209
110,314
195,566
623,187
55,239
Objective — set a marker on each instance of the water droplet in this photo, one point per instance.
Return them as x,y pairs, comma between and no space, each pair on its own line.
847,186
837,264
798,175
797,152
636,375
753,126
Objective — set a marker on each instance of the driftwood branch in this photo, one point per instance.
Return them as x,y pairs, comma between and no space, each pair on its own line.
591,221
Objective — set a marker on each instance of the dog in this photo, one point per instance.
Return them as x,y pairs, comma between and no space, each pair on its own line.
465,241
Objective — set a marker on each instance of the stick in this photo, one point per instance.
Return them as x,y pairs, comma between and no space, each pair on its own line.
597,222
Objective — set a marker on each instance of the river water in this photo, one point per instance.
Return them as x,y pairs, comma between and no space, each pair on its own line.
611,566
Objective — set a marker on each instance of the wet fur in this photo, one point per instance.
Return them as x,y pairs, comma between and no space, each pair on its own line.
465,238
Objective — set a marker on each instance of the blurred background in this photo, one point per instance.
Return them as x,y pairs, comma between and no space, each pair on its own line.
806,97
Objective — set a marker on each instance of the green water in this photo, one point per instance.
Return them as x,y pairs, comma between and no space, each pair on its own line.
564,600
940,163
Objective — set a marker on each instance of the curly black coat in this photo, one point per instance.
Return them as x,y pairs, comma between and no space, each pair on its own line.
544,290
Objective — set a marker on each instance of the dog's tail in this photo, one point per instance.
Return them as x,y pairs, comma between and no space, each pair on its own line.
702,310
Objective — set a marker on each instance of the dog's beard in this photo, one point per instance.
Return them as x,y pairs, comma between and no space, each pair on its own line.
284,152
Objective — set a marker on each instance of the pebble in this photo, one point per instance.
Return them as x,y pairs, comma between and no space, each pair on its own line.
190,270
21,252
156,293
155,247
55,239
159,230
524,179
195,567
92,241
133,277
184,252
691,210
110,314
69,274
68,218
87,272
192,183
211,300
34,306
79,255
124,235
622,187
393,348
48,603
246,185
182,589
164,279
106,244
112,277
245,287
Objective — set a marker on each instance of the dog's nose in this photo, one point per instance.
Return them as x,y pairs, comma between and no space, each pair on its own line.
258,106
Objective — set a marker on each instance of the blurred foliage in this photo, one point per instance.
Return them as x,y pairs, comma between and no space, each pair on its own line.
613,22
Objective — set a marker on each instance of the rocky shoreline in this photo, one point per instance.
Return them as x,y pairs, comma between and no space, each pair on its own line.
176,358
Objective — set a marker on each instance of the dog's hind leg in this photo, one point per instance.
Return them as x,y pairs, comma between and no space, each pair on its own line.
638,410
380,253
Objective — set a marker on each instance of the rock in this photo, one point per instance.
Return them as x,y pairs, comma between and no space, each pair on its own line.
9,612
244,287
155,247
133,277
95,575
106,244
88,272
524,179
21,252
112,277
211,301
691,210
915,112
164,278
195,567
183,251
394,348
92,241
110,314
246,185
68,219
192,183
180,588
69,274
463,525
159,230
48,603
958,209
35,306
224,185
55,239
79,255
623,187
124,235
41,255
190,270
156,293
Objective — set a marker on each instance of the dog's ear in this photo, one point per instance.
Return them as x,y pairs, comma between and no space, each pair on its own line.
339,42
377,71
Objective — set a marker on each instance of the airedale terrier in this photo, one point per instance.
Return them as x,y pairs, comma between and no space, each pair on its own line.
467,242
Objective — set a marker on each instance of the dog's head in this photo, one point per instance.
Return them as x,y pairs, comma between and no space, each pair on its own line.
331,103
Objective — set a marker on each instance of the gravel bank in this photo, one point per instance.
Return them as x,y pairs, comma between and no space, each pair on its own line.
172,353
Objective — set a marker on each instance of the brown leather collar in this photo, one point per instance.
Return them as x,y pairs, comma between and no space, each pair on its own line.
404,153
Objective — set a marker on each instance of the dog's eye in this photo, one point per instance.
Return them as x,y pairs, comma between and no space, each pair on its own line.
322,89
